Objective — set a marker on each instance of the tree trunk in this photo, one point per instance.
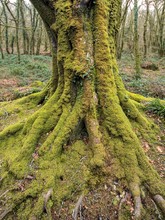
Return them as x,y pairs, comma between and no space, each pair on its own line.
46,41
12,44
39,37
24,31
6,28
160,13
34,24
120,36
145,29
82,132
1,48
16,21
17,30
161,32
136,42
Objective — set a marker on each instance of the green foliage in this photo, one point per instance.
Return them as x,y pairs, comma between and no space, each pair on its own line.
30,69
17,71
156,107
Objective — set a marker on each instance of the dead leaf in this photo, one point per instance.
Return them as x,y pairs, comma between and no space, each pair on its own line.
159,149
146,146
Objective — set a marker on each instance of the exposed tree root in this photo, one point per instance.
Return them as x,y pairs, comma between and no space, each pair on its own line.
138,206
160,202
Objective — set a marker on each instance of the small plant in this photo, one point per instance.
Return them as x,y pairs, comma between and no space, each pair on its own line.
156,107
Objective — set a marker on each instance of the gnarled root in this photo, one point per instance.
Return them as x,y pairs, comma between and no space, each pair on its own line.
160,202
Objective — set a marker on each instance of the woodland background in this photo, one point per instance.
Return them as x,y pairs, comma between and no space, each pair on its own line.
25,48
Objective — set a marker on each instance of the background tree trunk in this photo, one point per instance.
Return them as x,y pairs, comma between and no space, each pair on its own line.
24,31
39,37
34,23
145,29
16,21
136,42
121,33
1,49
6,28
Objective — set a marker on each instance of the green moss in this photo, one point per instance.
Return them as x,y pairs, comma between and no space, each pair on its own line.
24,210
11,130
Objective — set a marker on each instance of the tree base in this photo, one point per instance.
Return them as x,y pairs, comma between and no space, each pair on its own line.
48,162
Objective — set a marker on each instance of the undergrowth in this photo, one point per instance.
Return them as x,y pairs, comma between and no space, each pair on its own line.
30,69
156,107
151,83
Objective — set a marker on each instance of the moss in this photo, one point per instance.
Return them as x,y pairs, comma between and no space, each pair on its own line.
37,84
137,97
24,210
11,130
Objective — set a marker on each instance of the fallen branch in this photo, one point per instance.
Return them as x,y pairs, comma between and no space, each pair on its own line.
2,216
4,193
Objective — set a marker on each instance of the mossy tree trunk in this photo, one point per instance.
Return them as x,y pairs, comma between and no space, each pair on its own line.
83,127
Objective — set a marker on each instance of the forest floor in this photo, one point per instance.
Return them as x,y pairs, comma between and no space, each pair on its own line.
32,73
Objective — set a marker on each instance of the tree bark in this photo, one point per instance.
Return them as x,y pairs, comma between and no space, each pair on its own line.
16,21
1,49
6,28
136,42
24,32
34,24
145,29
120,36
82,131
39,37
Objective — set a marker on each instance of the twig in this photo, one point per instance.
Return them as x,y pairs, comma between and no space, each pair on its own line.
47,197
5,213
76,209
123,200
4,193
